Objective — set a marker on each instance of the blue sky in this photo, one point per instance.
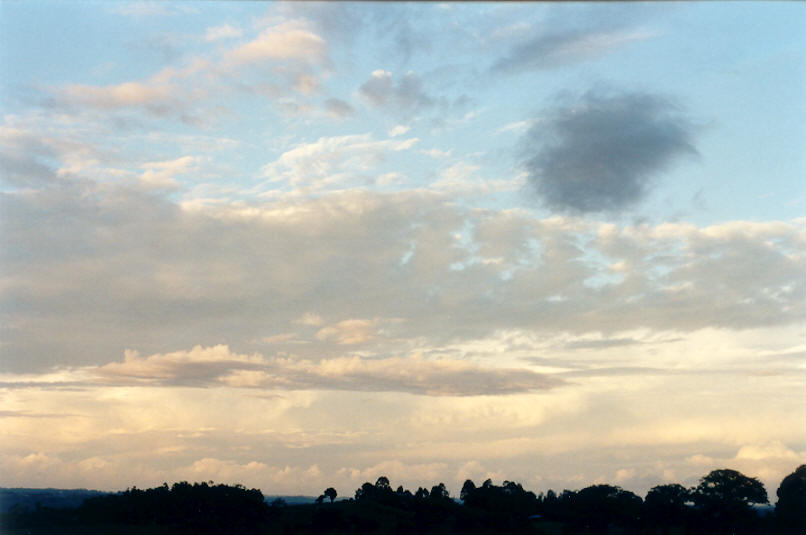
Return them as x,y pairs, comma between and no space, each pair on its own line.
560,244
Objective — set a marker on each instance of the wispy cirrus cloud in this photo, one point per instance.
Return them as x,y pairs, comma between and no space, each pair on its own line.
554,49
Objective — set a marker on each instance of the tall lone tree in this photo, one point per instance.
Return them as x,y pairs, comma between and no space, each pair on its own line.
331,493
725,500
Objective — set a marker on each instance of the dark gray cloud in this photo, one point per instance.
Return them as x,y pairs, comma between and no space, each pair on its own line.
405,92
602,152
406,96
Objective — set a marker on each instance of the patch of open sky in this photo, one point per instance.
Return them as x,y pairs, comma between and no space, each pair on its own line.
598,262
758,68
658,272
464,239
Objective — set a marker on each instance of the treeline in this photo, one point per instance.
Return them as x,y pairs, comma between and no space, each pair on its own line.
724,502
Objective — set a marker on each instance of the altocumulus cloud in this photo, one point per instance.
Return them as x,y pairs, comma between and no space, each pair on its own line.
602,152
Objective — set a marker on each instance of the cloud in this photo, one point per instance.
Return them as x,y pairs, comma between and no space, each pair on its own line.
397,471
333,160
348,332
128,94
161,174
291,40
310,319
222,32
601,153
26,157
338,108
291,51
601,344
218,366
771,450
551,50
405,93
164,94
517,126
199,366
203,273
437,153
770,461
398,130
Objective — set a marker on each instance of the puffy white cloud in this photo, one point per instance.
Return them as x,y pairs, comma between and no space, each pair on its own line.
290,40
161,174
768,461
333,161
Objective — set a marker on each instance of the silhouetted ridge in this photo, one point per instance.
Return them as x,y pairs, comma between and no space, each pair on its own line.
723,502
200,506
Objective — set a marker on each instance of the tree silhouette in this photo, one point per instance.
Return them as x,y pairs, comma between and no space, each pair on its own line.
667,505
724,499
467,489
722,505
366,492
790,511
598,506
439,492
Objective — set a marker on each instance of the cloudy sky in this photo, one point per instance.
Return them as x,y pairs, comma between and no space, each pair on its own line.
303,245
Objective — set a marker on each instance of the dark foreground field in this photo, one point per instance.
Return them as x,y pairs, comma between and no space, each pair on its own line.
724,503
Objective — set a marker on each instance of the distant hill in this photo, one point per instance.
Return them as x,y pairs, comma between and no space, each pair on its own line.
71,498
54,498
292,500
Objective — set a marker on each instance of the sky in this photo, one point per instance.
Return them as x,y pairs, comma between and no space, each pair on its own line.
302,245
